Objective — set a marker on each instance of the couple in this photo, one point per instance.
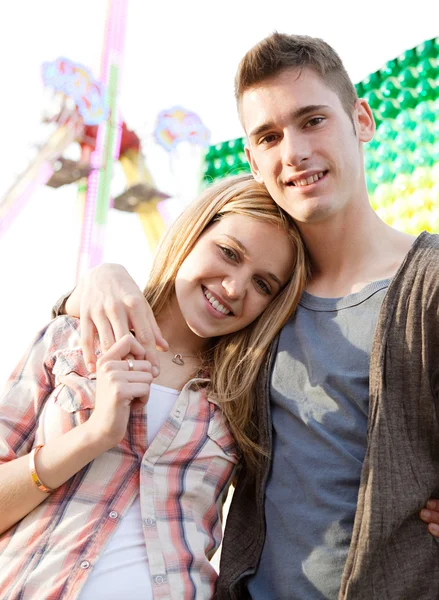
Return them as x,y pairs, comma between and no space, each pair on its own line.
334,424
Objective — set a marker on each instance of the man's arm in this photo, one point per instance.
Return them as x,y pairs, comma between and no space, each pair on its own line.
110,304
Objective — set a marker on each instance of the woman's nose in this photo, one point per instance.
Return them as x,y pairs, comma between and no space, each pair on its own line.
234,287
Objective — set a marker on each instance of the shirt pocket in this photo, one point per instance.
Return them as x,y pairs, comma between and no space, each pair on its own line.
219,433
75,387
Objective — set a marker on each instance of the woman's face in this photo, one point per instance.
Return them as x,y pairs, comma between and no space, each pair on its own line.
234,271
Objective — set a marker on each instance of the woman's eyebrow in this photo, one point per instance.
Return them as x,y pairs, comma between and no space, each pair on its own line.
237,242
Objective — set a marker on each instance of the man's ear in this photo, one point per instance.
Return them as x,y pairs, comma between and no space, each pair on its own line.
253,165
364,121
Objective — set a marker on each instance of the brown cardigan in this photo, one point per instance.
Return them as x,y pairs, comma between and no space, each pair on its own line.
392,556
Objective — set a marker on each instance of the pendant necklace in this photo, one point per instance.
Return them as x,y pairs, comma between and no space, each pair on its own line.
178,358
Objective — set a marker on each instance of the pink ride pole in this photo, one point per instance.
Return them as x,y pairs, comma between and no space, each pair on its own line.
107,142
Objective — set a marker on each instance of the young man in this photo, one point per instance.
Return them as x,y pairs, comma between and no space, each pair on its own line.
348,408
354,381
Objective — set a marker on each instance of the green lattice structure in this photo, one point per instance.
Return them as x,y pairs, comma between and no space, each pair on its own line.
402,161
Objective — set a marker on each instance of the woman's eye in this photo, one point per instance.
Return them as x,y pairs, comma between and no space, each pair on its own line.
263,286
228,253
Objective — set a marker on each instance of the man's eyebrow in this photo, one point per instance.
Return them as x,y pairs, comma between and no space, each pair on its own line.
296,114
243,250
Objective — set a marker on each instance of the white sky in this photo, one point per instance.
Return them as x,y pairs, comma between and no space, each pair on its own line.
177,52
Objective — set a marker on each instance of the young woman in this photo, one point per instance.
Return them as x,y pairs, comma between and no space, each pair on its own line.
112,485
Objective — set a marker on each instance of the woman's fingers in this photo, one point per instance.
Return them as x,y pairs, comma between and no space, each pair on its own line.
128,345
430,515
138,390
139,377
138,365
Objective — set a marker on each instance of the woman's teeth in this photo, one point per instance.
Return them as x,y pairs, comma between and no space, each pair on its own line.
214,302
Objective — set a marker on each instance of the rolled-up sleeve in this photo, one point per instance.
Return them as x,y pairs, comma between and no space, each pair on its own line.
28,387
60,307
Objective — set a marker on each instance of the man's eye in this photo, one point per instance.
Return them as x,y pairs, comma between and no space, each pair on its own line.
268,139
229,253
314,121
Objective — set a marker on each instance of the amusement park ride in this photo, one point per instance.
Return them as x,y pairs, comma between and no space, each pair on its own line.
85,111
402,162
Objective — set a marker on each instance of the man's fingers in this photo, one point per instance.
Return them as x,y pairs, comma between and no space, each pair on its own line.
151,354
146,330
88,333
119,323
105,332
160,341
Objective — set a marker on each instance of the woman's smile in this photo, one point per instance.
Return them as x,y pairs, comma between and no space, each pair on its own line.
215,305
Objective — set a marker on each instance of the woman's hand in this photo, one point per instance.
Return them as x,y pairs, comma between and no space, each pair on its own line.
109,303
117,387
430,515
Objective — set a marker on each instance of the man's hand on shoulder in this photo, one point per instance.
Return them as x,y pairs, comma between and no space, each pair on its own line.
110,304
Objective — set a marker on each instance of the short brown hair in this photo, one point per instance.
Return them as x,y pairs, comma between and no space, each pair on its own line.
280,51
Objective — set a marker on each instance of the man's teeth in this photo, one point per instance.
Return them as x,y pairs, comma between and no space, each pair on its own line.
214,302
309,180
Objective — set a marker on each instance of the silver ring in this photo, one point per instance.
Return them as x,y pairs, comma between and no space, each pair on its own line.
130,364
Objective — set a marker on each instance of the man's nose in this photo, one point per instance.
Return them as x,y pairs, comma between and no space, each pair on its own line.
295,149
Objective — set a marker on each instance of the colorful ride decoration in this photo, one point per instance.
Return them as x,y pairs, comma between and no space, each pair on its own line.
183,135
177,125
75,81
402,161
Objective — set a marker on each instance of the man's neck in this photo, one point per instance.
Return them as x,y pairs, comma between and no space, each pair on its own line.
349,251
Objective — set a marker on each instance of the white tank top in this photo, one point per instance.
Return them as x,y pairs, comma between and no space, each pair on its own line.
122,569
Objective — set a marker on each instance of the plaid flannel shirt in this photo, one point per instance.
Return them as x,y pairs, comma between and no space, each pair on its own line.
183,478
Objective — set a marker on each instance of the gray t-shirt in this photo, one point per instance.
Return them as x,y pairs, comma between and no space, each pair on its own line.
319,406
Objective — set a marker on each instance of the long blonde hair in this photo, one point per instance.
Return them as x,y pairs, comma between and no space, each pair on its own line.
234,360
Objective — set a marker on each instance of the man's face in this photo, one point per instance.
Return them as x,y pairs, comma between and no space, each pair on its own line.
304,146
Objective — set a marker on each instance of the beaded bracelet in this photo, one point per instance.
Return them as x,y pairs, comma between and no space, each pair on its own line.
33,471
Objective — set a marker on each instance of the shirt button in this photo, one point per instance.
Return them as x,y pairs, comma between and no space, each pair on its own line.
149,521
177,413
113,514
159,579
85,564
